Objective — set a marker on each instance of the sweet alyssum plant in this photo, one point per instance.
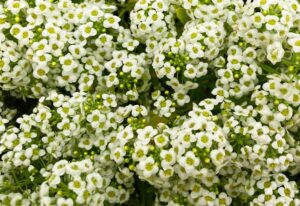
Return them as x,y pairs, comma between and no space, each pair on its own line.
149,102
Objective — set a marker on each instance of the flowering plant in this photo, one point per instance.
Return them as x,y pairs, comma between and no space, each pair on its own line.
149,102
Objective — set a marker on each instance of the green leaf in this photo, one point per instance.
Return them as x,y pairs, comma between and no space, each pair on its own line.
268,69
147,193
182,15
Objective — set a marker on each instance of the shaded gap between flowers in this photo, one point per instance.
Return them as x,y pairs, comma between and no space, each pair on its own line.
144,194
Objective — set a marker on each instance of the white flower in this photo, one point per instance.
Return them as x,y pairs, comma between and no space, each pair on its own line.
260,133
111,21
160,5
66,110
86,165
111,80
145,135
234,61
118,155
273,164
66,126
282,201
25,36
168,158
189,161
167,70
181,97
77,185
15,6
85,143
158,61
295,43
130,44
208,103
87,30
204,139
267,185
271,22
190,71
42,7
195,50
166,173
56,47
64,202
96,119
275,52
40,71
148,167
285,161
109,100
161,140
223,199
73,169
45,201
140,152
279,144
258,19
264,4
95,14
129,65
218,157
54,180
139,110
286,191
22,158
2,124
207,198
286,112
84,196
77,51
68,62
281,179
186,138
59,167
125,135
112,194
226,75
94,180
187,4
163,105
106,40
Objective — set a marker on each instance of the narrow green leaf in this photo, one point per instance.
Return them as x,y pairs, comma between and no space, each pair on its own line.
268,69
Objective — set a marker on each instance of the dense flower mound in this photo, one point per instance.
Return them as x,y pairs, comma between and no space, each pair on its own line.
150,102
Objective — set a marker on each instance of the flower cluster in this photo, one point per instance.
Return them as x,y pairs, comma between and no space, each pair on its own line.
150,102
151,20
